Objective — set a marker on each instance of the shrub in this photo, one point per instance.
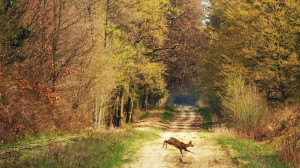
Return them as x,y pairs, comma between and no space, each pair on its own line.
207,117
243,105
170,108
167,116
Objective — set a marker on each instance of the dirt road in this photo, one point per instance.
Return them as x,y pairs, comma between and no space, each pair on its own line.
185,127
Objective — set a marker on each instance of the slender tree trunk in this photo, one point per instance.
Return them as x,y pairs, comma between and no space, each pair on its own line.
106,23
116,111
128,108
56,33
100,112
132,111
95,119
145,101
91,25
121,114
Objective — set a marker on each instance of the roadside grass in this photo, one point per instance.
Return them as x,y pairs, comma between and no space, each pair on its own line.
166,117
207,118
248,154
144,115
170,108
40,139
26,140
155,107
100,149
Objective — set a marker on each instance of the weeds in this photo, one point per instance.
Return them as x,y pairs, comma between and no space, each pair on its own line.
167,116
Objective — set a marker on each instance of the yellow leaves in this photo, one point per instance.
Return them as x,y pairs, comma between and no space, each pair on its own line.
260,37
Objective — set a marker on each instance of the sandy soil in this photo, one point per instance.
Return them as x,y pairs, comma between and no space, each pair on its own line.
185,127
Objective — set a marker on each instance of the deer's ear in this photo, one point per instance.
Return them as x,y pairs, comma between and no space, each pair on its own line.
190,142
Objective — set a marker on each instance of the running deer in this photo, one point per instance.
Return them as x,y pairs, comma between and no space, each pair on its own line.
179,145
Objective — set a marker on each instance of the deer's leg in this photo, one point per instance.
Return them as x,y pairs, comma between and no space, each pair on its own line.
165,143
181,152
191,152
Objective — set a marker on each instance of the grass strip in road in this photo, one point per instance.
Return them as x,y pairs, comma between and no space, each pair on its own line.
167,116
102,149
251,155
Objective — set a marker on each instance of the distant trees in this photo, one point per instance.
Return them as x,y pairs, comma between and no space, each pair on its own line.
184,46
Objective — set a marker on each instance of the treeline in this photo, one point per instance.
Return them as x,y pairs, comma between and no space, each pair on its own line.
257,41
251,68
260,39
67,65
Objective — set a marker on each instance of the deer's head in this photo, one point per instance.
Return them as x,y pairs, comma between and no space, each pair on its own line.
190,144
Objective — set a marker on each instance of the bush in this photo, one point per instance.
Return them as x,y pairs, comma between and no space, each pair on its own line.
167,116
207,117
170,108
243,105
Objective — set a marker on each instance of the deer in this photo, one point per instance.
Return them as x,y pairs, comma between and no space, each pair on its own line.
179,145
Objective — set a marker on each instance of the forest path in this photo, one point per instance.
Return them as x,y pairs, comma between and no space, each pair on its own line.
184,127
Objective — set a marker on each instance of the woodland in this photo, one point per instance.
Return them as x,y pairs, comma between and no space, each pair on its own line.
72,65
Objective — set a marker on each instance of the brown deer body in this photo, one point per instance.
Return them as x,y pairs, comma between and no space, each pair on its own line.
179,145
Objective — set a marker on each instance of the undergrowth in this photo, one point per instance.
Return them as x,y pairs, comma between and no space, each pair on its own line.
97,150
145,115
167,116
170,108
207,118
251,155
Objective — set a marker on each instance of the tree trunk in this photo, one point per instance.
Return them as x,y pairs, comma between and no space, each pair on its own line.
132,111
57,25
106,23
145,101
95,118
128,109
116,112
121,111
100,111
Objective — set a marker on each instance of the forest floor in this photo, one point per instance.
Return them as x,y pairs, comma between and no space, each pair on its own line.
185,127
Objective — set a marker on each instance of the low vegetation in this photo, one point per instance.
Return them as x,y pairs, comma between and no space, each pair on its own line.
167,116
207,118
105,149
145,115
246,153
244,108
170,108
